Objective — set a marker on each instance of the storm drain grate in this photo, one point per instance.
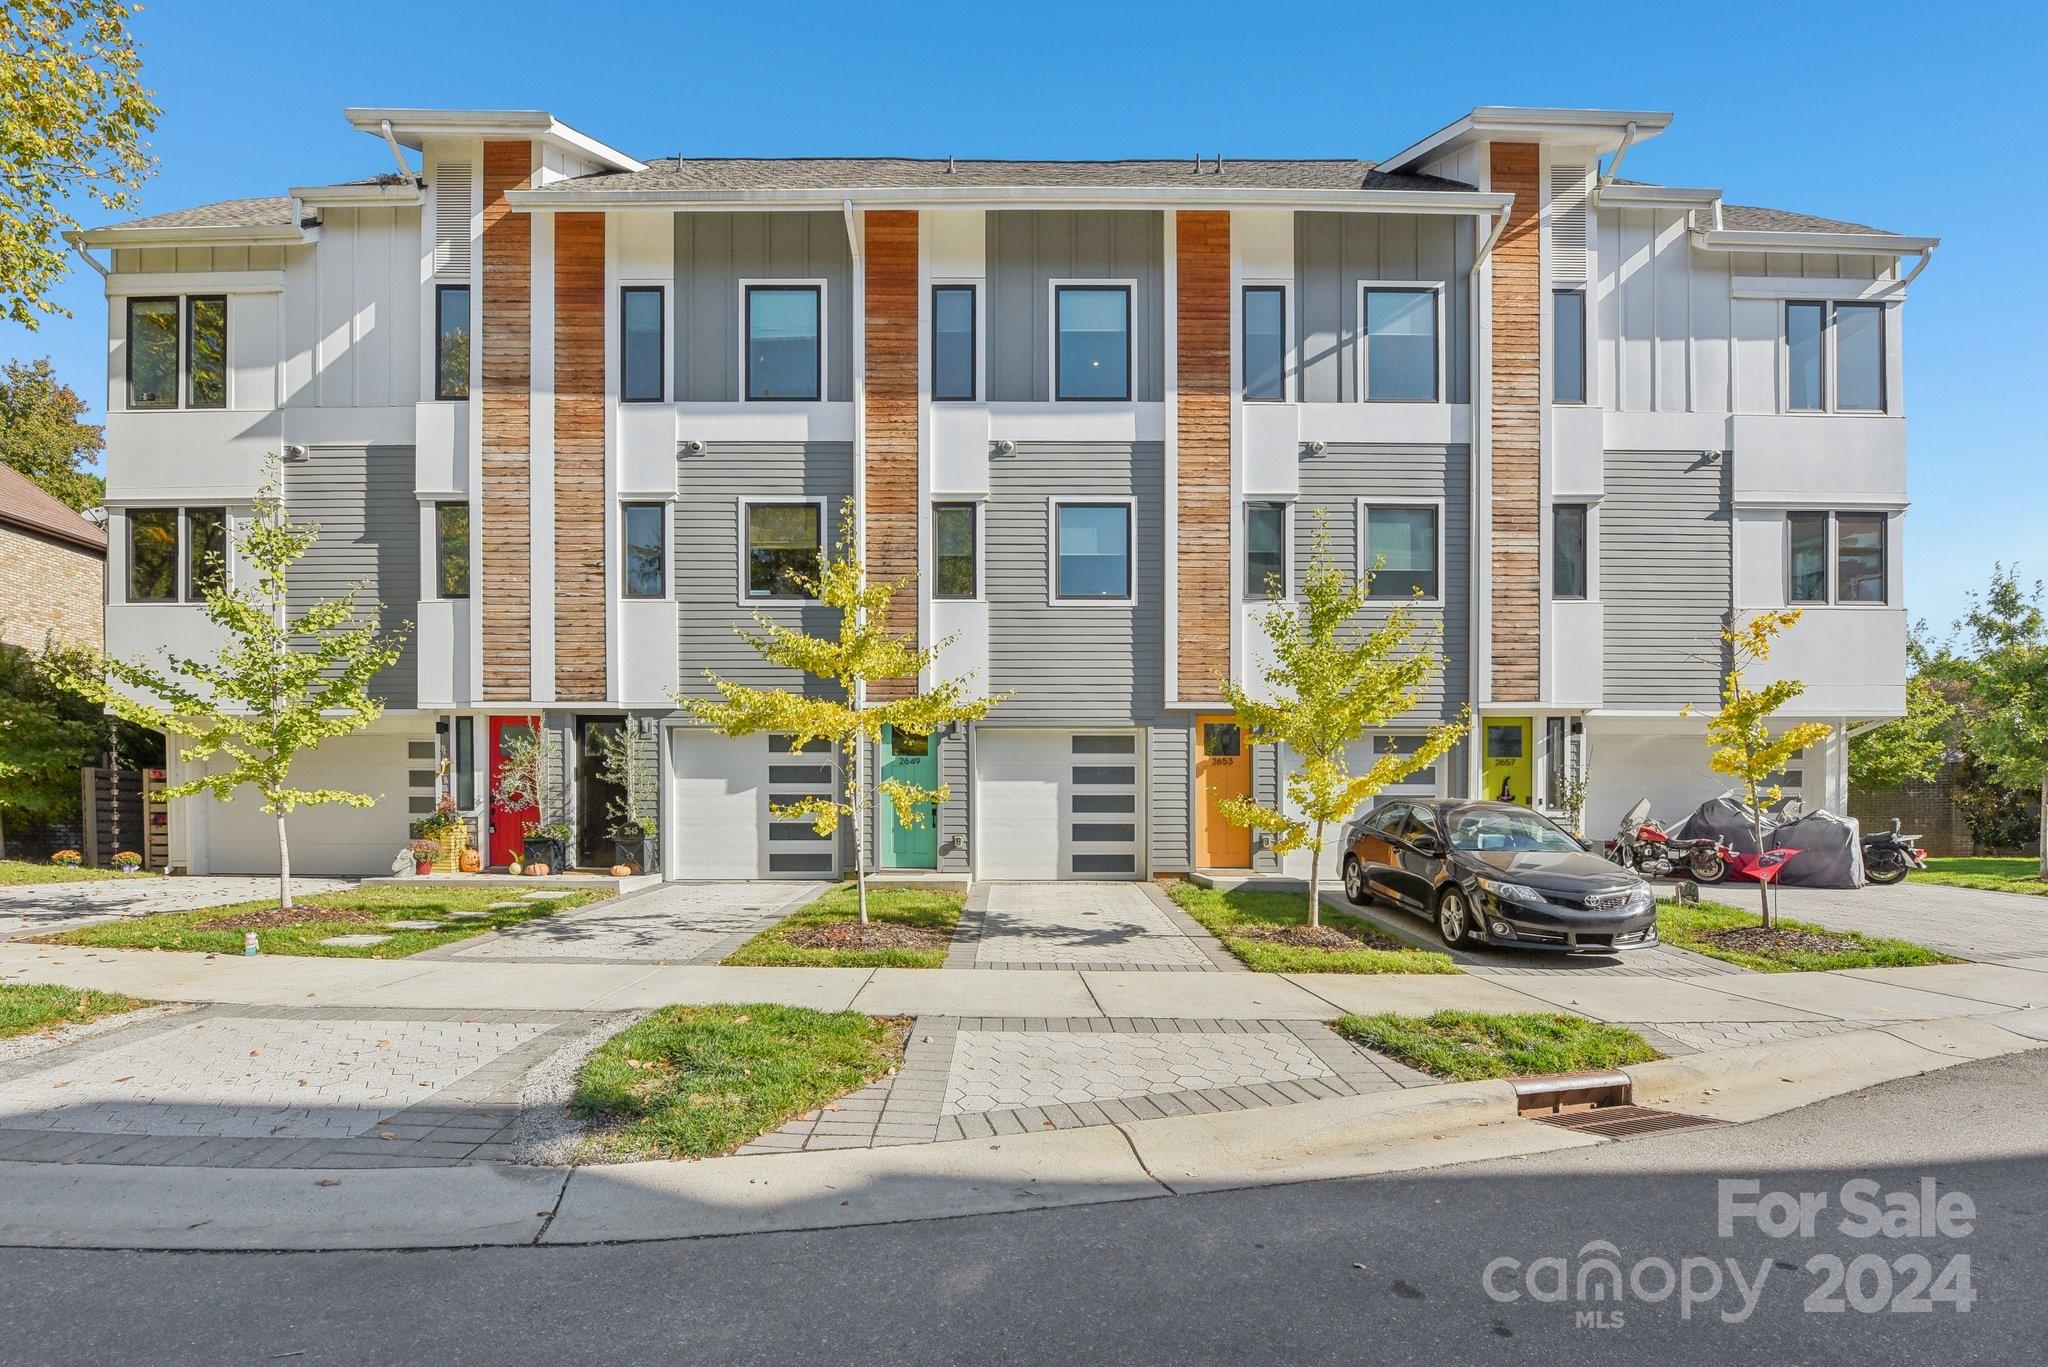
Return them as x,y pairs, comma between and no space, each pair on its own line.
1625,1122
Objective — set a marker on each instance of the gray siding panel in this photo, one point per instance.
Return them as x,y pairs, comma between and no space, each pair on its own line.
1027,250
1334,252
1073,662
954,773
1343,474
1265,792
707,552
714,252
1170,796
369,537
1666,578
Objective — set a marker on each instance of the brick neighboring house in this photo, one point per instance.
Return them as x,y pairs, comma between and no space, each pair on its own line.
56,568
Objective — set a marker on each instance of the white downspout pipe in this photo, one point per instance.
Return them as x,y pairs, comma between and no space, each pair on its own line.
1628,137
84,254
1482,469
1919,266
404,171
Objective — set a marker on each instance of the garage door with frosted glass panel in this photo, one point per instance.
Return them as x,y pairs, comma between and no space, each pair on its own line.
1059,804
721,792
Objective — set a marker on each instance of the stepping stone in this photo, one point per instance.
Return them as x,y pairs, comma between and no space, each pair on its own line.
354,941
415,925
495,906
482,915
545,896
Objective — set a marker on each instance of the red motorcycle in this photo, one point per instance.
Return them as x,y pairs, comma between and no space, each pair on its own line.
1647,848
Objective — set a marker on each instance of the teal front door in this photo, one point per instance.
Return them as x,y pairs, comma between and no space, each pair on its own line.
909,759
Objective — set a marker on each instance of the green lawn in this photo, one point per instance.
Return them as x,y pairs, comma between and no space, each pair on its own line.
695,1081
1687,928
2021,875
1475,1044
935,910
28,1007
320,916
1240,917
20,872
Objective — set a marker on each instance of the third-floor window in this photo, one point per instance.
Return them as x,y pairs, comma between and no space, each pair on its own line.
1091,342
1568,346
953,359
1399,358
178,352
785,342
451,341
1834,357
641,350
1264,335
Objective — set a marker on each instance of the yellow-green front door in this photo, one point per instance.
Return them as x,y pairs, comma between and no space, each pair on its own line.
1508,769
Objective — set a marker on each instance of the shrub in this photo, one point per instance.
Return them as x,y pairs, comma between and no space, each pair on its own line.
69,859
424,851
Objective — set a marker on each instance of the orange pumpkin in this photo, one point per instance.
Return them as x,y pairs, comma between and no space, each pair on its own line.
472,860
623,870
536,869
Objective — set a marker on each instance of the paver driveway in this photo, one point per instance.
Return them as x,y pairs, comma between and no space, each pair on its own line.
40,908
1103,926
1966,922
672,923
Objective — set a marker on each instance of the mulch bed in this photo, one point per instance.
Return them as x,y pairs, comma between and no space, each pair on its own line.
874,935
1325,936
1758,940
277,918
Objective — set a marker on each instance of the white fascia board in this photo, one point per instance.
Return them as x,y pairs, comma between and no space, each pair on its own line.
1658,197
241,235
1857,244
1404,201
1489,123
357,196
412,127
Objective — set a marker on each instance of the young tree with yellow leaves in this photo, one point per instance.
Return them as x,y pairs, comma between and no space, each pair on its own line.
864,651
1331,681
1745,747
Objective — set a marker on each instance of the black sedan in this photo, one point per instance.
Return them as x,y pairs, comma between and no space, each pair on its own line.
1487,872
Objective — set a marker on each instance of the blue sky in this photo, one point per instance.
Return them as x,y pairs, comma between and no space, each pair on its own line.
1916,120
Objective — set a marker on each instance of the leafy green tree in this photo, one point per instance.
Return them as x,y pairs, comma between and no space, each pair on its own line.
41,435
1914,747
280,685
863,652
1332,679
47,734
1746,749
73,116
2005,663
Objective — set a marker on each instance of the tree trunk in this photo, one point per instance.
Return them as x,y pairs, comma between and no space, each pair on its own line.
1763,887
860,833
284,867
2044,825
1315,878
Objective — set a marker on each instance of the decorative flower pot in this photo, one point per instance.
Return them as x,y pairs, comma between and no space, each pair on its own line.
423,867
540,849
641,851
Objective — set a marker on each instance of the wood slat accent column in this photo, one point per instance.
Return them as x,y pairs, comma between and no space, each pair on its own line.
1515,424
580,580
1202,304
507,378
890,496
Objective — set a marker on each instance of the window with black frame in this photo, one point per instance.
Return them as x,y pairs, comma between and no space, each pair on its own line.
953,359
1265,550
152,555
1092,342
785,350
643,532
783,548
953,550
641,344
451,342
451,550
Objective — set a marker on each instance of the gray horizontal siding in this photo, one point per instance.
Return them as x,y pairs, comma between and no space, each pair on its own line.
1666,578
1334,252
1333,483
953,815
1169,798
707,553
1027,250
1083,663
714,252
369,539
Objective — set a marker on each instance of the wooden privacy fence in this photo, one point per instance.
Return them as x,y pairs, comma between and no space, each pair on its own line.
124,809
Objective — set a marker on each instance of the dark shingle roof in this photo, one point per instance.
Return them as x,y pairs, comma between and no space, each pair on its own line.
897,173
25,504
265,211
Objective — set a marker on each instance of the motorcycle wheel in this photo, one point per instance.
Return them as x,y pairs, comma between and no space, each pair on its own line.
1708,867
1887,872
1623,855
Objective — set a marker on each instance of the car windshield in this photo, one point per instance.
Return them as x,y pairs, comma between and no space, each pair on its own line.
1511,831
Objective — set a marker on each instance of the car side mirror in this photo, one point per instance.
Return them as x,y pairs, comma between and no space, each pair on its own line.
1428,846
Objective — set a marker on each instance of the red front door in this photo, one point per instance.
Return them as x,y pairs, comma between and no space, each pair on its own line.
508,827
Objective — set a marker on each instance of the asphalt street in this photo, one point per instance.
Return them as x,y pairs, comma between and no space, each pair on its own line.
1450,1265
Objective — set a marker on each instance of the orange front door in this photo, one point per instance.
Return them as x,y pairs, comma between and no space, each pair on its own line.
1223,769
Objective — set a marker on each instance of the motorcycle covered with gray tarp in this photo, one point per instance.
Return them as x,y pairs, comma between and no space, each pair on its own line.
1830,846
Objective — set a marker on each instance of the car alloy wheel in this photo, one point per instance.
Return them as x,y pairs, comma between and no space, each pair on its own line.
1355,890
1453,918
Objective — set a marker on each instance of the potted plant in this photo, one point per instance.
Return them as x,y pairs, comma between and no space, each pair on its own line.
631,829
67,859
424,852
549,845
127,861
633,843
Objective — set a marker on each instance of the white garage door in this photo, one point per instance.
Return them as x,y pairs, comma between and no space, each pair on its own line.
719,797
1059,804
336,841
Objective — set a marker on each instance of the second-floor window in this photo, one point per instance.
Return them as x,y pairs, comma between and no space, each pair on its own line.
451,550
451,341
1834,357
1402,550
175,554
785,342
953,551
1836,558
783,547
1264,336
1568,346
1399,355
1091,354
641,351
953,360
178,352
1092,551
1568,550
1265,550
643,538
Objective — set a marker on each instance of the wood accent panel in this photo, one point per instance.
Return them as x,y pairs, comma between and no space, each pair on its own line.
1202,484
889,499
580,581
1514,420
506,399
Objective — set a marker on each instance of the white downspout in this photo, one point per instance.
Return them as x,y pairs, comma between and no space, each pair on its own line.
404,171
863,816
1628,137
84,254
1919,266
1482,470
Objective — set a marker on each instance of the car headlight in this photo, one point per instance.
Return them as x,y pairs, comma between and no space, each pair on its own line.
1512,892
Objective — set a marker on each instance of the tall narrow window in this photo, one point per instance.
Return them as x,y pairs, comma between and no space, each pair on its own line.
783,547
206,551
1808,562
206,351
1568,346
643,531
152,353
451,550
953,572
953,342
1859,558
1092,550
784,342
1402,542
1400,346
464,766
640,344
1568,550
1265,550
1092,342
1805,357
451,342
1264,331
152,555
1859,358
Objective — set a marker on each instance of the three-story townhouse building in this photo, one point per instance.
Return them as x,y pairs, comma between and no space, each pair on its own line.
577,417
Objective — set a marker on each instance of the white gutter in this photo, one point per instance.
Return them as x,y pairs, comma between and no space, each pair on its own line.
1628,137
1925,256
1864,244
405,171
999,197
1867,728
1482,464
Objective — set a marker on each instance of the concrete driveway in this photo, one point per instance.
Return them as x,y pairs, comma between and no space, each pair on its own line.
40,908
1082,926
1966,922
